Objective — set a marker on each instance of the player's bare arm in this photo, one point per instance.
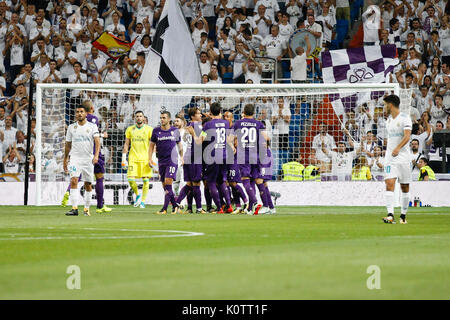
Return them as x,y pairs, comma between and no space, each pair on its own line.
97,149
67,149
151,149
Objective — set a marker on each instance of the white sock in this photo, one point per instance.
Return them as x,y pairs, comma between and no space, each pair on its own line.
87,199
73,198
405,202
389,198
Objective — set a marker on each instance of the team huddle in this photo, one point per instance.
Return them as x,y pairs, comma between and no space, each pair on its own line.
218,153
231,159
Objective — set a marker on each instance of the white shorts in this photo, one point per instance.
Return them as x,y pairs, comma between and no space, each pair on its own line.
85,168
401,171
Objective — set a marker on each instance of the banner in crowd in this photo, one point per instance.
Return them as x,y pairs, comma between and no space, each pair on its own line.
112,46
172,58
354,65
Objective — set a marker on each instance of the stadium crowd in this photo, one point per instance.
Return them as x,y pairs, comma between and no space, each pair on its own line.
50,42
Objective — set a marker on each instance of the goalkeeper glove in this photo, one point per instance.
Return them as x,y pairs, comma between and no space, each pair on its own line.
124,161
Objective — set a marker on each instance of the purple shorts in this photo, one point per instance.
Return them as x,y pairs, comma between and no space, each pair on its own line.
192,172
216,173
266,173
250,170
99,167
167,171
234,174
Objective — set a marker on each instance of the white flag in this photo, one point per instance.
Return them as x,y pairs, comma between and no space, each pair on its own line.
172,58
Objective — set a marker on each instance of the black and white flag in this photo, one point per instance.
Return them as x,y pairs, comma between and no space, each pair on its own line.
172,58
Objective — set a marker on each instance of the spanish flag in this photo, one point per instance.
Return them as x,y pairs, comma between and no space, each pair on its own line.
112,46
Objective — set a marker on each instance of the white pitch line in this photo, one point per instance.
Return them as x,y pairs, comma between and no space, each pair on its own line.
172,234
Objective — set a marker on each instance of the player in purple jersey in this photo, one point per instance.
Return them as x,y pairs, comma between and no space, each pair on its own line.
192,167
167,140
99,167
266,175
234,175
215,134
251,137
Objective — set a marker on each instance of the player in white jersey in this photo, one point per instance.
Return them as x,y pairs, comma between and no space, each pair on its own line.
80,140
398,158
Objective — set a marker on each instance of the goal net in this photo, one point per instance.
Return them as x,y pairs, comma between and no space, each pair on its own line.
295,116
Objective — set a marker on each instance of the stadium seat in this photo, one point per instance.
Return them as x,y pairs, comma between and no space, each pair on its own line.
227,77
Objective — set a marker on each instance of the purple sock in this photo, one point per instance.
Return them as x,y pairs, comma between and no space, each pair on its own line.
190,197
250,192
214,194
269,198
207,197
169,197
183,192
197,196
226,193
262,193
236,196
241,193
99,192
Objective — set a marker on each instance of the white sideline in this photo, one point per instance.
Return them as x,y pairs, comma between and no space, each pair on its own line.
172,234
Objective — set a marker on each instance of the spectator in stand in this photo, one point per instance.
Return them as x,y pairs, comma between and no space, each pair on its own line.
110,11
437,110
54,75
286,29
395,32
239,57
252,70
14,50
11,160
41,70
66,61
40,49
204,63
92,64
139,66
198,26
64,33
276,48
423,99
83,47
54,49
328,22
213,75
320,141
415,156
293,9
314,29
24,79
298,63
40,32
272,7
262,21
126,70
226,46
9,133
420,36
371,19
281,117
110,73
139,31
115,27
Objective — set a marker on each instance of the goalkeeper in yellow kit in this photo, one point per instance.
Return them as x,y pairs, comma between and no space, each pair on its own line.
137,140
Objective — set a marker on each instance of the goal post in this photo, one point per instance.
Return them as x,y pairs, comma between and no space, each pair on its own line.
304,107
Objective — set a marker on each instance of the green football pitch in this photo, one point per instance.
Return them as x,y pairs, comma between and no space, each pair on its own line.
298,253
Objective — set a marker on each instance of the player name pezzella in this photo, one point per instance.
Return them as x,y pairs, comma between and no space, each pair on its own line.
229,309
